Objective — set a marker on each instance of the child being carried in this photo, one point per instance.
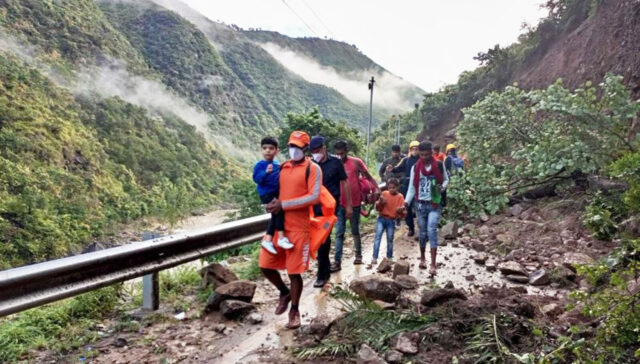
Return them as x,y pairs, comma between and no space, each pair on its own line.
266,175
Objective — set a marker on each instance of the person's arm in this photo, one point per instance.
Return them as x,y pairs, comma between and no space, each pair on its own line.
365,172
400,167
380,203
448,163
411,191
259,173
313,191
445,178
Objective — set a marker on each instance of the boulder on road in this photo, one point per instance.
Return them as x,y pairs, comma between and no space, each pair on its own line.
366,355
406,281
539,277
439,296
450,230
517,278
480,258
407,343
376,288
512,268
516,210
400,268
232,309
217,274
570,260
242,290
385,266
393,357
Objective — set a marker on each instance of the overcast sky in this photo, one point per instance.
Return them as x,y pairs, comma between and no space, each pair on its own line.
426,42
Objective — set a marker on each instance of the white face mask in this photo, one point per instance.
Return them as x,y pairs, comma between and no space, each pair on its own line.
317,156
296,153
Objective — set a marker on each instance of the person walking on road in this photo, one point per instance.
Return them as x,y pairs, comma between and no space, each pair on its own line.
300,185
437,154
396,157
452,162
405,166
334,179
390,205
428,179
354,168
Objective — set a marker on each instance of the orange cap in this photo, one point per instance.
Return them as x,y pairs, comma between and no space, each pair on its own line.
299,138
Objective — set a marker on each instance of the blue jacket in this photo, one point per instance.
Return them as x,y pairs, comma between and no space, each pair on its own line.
267,182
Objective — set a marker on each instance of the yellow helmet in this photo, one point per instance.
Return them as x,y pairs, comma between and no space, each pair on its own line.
414,143
449,147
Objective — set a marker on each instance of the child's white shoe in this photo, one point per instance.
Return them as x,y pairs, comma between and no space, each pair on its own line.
284,243
268,246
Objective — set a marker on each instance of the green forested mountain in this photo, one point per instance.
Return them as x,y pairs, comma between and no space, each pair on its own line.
75,160
70,167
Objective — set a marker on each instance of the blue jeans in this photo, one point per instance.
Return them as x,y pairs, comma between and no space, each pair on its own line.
428,218
341,227
388,225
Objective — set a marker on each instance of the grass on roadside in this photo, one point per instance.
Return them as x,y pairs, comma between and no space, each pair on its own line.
60,326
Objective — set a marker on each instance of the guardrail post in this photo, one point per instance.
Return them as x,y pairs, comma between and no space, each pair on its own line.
151,291
150,283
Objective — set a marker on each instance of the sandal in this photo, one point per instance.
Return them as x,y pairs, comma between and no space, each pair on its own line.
423,264
432,271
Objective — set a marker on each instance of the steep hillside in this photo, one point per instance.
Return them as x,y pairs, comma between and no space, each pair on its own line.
75,32
608,41
190,66
579,41
71,169
279,89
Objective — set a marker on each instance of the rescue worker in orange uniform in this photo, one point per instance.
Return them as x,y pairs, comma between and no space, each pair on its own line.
300,184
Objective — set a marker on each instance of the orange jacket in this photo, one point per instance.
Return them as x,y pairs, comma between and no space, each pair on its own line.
298,194
440,156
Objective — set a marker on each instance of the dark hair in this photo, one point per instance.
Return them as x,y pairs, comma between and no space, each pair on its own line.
393,181
436,147
269,141
424,146
340,145
395,148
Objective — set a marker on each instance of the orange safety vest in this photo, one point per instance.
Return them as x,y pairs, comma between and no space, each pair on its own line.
319,226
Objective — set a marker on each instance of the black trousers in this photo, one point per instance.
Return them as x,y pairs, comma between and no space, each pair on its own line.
277,220
323,259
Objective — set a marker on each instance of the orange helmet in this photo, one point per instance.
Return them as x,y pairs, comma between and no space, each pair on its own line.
299,138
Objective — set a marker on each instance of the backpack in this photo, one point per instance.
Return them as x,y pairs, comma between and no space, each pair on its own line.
457,164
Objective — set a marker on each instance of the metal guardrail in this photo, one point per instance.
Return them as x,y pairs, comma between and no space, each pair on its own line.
34,285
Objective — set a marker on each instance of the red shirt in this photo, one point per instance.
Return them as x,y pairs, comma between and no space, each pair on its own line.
393,202
351,167
440,156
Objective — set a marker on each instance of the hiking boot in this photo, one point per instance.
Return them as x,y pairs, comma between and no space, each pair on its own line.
335,266
284,243
358,260
268,246
283,304
294,320
319,283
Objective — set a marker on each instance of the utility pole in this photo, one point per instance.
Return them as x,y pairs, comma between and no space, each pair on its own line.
371,82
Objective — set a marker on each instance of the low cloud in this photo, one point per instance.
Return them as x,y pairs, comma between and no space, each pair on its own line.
390,91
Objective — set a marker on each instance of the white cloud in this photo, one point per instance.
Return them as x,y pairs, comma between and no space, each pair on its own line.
388,91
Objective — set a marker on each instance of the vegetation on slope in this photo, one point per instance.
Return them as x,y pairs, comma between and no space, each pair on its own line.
189,65
69,170
75,32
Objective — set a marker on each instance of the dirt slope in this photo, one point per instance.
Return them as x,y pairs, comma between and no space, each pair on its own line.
606,42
